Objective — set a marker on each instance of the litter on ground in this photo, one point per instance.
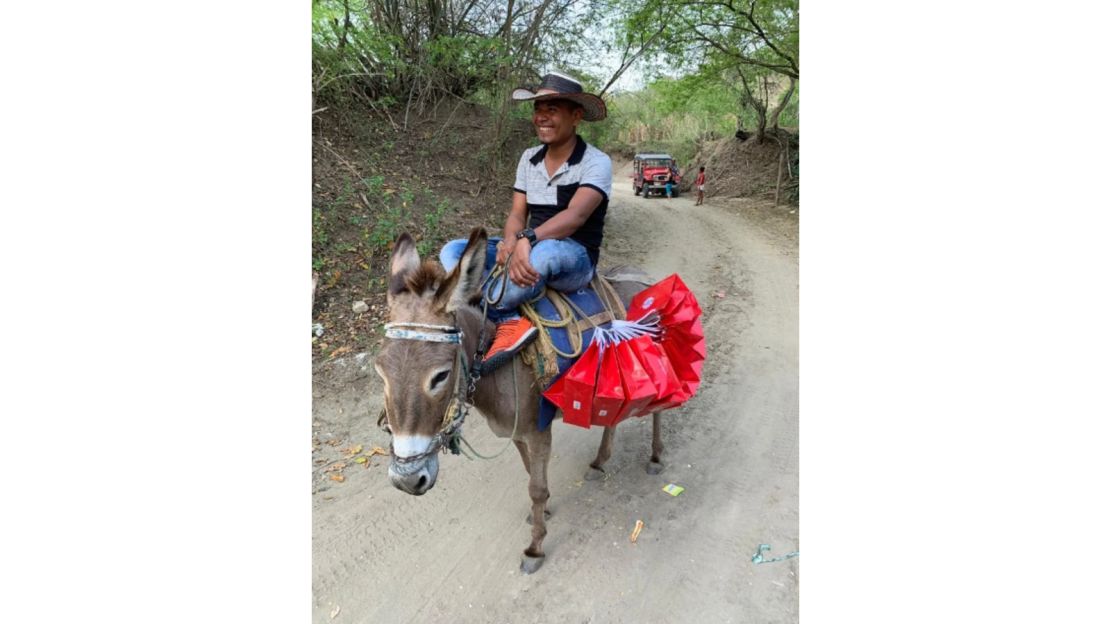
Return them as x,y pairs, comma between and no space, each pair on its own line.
758,556
673,490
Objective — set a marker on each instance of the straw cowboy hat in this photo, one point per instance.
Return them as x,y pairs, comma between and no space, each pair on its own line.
556,86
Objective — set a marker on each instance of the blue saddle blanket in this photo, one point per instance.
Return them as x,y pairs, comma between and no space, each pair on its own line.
587,301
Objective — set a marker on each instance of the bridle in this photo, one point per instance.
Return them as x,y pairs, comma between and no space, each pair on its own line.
450,431
449,436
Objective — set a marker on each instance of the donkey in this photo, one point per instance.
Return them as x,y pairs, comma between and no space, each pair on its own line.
433,332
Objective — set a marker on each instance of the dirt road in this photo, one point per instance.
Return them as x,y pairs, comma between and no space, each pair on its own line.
380,555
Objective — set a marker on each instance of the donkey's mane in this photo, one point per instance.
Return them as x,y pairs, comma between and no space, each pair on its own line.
427,277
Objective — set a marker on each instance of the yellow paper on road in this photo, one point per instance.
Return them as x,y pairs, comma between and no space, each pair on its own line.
673,490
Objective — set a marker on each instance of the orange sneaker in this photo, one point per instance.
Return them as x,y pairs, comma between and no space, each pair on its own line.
512,336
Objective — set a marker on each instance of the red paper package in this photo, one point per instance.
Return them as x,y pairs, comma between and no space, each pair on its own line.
574,391
669,391
686,355
682,336
639,390
609,392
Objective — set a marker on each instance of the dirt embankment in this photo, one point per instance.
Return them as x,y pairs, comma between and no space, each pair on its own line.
373,178
750,169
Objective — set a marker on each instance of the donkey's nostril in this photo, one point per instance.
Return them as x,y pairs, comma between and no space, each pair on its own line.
420,483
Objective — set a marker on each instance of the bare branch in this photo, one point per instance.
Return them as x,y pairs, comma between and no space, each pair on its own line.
625,64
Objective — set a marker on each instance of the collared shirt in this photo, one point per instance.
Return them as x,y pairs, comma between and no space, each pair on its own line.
548,195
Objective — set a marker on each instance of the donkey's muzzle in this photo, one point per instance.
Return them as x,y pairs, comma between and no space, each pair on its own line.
416,477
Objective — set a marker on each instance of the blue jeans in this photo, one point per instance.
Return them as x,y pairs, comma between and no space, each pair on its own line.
563,264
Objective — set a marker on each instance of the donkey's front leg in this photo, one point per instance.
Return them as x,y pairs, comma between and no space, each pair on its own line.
522,448
539,451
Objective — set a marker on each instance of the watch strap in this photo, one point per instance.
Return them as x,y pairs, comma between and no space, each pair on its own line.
528,233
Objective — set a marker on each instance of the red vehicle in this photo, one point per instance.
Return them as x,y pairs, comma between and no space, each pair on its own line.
653,173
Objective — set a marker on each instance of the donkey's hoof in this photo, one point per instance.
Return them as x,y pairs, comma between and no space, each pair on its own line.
593,474
654,467
529,564
546,516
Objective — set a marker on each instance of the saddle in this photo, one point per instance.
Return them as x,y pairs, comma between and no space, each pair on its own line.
566,323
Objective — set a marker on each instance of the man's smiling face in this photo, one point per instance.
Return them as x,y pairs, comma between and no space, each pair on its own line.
555,120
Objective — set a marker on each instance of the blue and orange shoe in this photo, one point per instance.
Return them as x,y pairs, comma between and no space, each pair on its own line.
512,336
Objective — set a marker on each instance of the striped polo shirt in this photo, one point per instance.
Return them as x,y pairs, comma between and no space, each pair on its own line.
548,195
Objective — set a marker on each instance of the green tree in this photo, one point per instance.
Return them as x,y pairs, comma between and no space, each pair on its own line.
410,55
753,42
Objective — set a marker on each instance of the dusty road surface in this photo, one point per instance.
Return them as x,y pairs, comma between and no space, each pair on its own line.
453,555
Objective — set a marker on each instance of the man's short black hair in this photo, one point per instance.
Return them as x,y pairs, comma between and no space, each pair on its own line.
569,103
702,169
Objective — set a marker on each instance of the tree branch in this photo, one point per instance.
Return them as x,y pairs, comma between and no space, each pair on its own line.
625,65
751,19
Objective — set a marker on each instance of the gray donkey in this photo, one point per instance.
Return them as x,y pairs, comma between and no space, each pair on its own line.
426,364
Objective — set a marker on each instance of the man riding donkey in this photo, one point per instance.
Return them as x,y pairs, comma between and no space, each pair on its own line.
553,234
552,239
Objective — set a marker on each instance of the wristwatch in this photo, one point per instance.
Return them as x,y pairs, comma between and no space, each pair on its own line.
528,233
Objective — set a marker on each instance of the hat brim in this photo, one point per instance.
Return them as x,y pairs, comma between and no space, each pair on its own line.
594,106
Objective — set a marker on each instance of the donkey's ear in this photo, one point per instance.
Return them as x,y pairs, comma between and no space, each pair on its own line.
403,262
462,285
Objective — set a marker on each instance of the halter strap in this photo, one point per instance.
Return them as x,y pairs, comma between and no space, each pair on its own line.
445,333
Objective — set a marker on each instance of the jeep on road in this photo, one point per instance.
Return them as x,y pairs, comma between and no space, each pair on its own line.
652,172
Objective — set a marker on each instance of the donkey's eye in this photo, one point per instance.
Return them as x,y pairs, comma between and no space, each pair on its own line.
440,377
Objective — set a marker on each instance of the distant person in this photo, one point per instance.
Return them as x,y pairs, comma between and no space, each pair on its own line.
554,228
699,185
672,180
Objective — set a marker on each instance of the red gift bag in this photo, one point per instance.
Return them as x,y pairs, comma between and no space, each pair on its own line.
686,354
554,392
669,391
609,392
681,308
678,311
633,374
682,337
639,390
574,391
670,297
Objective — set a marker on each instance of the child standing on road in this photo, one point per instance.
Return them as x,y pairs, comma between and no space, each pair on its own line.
699,184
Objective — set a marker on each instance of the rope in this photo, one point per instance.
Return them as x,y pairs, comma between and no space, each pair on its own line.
609,297
565,308
516,422
565,319
496,271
